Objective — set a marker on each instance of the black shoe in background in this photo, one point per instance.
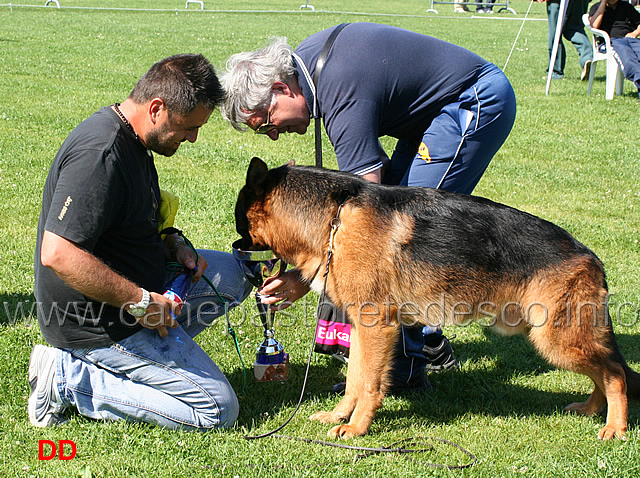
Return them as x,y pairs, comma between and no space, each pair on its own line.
439,353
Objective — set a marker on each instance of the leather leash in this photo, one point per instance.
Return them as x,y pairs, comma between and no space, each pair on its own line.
322,59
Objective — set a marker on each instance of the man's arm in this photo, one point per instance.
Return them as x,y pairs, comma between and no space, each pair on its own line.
634,19
634,34
595,20
376,175
87,274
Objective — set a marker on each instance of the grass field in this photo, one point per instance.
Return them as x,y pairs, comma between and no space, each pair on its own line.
570,158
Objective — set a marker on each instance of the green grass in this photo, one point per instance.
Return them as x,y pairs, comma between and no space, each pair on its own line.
570,158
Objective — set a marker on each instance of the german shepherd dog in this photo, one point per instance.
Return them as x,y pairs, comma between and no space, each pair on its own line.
420,255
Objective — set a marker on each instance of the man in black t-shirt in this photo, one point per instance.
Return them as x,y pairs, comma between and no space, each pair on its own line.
121,350
622,22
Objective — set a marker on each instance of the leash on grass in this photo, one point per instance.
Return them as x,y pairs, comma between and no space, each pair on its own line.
401,447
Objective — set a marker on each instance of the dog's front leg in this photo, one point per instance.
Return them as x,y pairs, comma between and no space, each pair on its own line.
366,378
345,407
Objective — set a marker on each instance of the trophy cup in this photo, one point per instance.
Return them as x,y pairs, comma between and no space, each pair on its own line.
272,363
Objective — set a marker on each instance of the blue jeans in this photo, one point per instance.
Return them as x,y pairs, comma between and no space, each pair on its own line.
627,51
461,141
455,151
171,381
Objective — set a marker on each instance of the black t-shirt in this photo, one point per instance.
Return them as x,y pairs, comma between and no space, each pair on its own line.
618,21
101,193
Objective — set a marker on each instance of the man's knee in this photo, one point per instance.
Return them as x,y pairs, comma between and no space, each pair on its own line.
220,411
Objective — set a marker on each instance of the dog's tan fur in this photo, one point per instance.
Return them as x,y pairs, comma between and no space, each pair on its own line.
374,274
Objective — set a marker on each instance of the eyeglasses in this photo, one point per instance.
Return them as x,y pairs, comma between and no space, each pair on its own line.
266,127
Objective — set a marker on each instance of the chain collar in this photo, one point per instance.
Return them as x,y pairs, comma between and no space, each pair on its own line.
116,108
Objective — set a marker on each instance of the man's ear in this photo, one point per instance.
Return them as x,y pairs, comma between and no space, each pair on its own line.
280,87
156,105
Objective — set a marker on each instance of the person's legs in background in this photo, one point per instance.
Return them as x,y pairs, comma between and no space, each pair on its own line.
553,11
573,31
627,51
460,7
489,6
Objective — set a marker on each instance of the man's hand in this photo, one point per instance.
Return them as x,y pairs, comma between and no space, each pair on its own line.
633,34
159,316
282,291
186,257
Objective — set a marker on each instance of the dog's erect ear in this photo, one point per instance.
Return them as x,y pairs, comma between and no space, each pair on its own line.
292,162
257,173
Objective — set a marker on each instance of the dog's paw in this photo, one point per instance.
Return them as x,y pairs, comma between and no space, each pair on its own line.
608,432
326,417
346,431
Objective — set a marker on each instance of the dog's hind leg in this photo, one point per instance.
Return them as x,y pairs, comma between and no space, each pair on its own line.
592,357
575,334
594,404
611,390
578,337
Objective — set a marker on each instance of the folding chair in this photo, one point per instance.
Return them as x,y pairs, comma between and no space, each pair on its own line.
615,77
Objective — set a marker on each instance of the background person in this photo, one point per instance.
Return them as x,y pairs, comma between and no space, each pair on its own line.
100,268
486,7
572,30
622,22
460,7
449,109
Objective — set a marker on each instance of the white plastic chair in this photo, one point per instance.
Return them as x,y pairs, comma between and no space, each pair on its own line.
615,77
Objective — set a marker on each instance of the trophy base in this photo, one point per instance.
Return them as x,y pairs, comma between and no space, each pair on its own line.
272,372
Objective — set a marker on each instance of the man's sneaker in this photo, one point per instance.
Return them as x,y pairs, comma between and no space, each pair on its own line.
585,70
44,401
439,355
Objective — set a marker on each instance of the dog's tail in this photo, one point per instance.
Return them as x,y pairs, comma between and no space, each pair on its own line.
633,382
632,377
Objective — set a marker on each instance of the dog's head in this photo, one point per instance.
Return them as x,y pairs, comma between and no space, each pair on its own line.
250,205
275,205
